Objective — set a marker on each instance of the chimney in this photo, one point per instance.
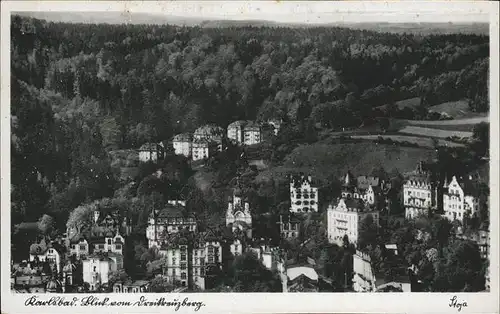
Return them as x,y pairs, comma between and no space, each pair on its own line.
309,178
247,207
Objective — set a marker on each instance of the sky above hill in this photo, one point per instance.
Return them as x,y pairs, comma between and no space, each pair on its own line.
300,12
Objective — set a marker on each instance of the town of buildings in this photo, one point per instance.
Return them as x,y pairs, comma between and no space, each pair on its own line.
84,260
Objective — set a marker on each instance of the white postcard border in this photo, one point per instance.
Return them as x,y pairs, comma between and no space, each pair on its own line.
310,12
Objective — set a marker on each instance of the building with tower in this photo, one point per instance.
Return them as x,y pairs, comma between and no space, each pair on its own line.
238,213
419,192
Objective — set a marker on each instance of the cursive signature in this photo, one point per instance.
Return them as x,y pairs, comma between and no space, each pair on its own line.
455,303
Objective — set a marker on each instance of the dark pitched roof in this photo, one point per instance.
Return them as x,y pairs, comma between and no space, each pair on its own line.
363,182
150,147
354,203
183,137
469,187
174,211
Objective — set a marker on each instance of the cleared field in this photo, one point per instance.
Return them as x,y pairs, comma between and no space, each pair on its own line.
324,160
410,102
433,132
455,109
466,121
460,127
421,141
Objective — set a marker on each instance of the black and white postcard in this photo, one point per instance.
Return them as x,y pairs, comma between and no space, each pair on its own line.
249,157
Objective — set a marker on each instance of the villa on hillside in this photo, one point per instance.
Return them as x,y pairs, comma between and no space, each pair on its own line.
151,152
345,218
460,199
303,194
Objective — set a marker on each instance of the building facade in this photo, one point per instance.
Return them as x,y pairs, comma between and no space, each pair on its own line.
459,200
97,268
303,195
183,144
188,255
345,218
364,279
289,226
367,188
244,132
43,252
419,194
169,220
235,131
210,133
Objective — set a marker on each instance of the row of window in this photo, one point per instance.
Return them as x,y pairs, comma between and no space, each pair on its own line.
420,194
305,203
300,195
287,226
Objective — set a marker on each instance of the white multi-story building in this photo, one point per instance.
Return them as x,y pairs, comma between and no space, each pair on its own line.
418,193
459,199
97,268
245,132
235,131
238,214
171,219
364,279
183,144
303,195
252,133
188,255
345,219
150,152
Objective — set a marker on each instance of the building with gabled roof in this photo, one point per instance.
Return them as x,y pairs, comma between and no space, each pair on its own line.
460,199
368,188
50,252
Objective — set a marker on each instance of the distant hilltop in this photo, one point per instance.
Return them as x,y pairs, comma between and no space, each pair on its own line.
155,19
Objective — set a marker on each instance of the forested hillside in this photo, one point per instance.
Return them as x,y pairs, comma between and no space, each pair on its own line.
80,91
